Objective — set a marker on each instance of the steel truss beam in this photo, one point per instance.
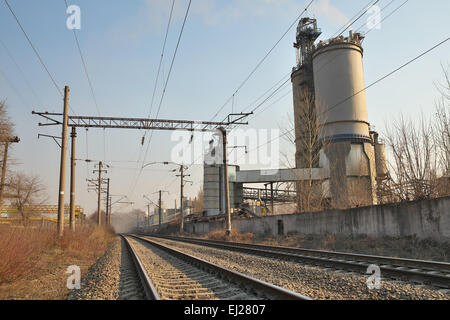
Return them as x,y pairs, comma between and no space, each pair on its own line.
140,123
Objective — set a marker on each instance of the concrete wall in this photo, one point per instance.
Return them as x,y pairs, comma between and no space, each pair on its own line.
424,219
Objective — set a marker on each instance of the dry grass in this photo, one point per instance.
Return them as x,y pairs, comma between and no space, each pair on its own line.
405,247
235,236
34,260
17,247
86,241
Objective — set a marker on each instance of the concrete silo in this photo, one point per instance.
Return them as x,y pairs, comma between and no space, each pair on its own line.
347,148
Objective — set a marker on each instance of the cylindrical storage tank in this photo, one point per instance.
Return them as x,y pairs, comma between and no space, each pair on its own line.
338,76
380,160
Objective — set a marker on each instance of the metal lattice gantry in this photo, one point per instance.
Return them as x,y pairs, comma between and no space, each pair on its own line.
140,123
65,121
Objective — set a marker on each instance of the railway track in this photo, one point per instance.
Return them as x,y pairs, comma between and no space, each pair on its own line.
137,283
169,274
418,271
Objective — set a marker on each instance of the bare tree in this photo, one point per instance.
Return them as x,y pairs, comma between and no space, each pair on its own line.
27,191
6,126
442,133
420,164
442,123
304,132
198,202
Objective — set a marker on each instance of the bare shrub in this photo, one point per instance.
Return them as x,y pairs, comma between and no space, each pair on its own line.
18,246
86,241
21,247
28,191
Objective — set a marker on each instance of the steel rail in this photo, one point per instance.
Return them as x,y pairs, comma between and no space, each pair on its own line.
269,290
149,289
435,273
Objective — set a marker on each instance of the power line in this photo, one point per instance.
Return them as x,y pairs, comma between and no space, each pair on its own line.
25,102
367,87
389,74
85,67
248,77
170,71
382,9
156,83
162,57
281,87
391,13
253,71
165,86
11,56
35,51
361,13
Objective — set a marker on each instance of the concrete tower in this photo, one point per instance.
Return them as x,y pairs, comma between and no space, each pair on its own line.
303,93
347,147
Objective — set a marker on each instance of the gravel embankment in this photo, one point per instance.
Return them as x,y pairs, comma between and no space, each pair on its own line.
314,282
112,277
175,279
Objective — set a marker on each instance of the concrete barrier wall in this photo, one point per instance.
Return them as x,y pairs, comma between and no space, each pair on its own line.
424,219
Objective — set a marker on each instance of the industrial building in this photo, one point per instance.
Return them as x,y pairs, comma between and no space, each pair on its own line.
338,157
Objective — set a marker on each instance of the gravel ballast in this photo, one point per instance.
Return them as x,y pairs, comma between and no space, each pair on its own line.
175,279
315,282
112,277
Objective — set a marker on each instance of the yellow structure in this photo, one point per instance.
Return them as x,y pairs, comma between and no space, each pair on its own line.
49,213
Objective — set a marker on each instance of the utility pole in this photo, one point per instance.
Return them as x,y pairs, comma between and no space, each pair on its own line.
73,135
96,184
227,185
99,199
5,159
159,206
182,175
110,210
148,215
271,196
62,168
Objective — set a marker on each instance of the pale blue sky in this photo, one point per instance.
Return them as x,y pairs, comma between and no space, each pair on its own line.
222,42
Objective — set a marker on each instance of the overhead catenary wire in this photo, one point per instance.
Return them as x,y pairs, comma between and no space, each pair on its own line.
164,89
91,87
358,16
24,101
262,60
364,89
232,97
156,83
386,17
344,30
22,73
382,9
83,61
285,76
